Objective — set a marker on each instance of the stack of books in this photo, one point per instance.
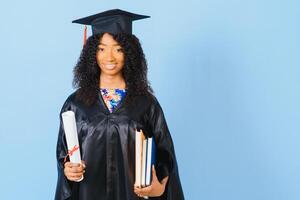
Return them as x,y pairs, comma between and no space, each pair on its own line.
144,159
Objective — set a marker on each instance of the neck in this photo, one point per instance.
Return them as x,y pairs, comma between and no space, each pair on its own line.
112,82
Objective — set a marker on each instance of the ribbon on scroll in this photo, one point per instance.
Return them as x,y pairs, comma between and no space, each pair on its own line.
70,152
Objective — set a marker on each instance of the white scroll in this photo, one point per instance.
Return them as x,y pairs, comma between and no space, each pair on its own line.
70,128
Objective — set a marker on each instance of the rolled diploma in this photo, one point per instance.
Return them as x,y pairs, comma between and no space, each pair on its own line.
70,128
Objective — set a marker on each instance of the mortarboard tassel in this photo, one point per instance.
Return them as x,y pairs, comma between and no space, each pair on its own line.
84,35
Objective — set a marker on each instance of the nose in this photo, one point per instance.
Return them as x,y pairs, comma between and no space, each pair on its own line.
109,56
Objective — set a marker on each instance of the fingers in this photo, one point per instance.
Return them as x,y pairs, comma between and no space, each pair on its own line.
69,172
156,188
147,191
74,177
69,164
74,171
83,164
75,165
143,191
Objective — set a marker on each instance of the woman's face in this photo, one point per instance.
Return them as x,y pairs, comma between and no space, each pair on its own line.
110,56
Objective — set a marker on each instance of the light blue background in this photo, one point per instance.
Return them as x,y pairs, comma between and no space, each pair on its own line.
226,74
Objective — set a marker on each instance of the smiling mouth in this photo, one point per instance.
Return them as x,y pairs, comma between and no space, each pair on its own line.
110,66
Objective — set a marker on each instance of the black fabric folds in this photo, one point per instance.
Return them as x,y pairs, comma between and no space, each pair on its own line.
107,145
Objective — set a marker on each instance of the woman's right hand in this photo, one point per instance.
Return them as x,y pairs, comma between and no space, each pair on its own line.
74,171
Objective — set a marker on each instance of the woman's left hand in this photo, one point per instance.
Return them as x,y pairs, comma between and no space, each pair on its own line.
155,189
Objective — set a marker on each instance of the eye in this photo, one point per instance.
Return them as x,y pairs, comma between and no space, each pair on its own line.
119,50
100,49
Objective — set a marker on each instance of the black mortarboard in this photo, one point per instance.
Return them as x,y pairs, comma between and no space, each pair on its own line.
111,21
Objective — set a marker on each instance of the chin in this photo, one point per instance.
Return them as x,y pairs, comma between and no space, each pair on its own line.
111,72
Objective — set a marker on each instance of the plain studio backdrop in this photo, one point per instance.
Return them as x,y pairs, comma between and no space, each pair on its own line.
225,72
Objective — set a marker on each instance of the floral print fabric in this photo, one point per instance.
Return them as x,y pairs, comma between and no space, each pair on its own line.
112,97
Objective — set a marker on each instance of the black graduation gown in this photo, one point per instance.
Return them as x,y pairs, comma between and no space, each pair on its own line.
107,145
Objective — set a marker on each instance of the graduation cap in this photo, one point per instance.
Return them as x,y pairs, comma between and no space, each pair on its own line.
111,21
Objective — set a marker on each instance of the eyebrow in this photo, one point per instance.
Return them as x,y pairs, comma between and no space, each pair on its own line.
106,44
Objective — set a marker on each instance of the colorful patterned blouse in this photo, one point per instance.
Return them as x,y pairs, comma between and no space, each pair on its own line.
112,97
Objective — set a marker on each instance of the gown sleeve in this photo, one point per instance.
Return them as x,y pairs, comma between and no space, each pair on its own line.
166,164
64,186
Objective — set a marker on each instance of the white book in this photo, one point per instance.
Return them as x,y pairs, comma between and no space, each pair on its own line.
149,161
138,157
144,157
69,123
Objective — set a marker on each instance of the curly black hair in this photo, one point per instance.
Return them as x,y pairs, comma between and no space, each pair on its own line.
87,71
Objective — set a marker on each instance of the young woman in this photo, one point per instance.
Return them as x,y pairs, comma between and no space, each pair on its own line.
112,100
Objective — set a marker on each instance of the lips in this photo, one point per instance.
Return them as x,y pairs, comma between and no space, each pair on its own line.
110,66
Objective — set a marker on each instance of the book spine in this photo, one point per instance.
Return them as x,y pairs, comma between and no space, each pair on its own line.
138,158
149,159
144,160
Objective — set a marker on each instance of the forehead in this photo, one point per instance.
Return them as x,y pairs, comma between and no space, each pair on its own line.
108,40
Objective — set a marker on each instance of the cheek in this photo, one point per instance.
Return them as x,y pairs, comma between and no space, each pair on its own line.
99,58
121,59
